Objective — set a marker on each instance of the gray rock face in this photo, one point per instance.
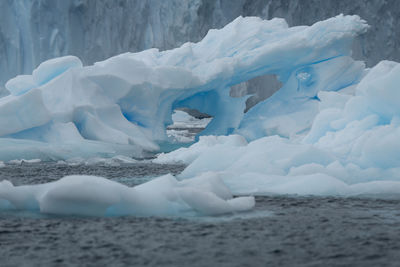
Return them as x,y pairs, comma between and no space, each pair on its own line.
32,31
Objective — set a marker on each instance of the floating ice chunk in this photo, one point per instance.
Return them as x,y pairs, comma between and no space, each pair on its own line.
123,159
114,161
96,196
24,161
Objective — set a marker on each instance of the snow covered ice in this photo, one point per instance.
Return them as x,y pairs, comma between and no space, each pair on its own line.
332,129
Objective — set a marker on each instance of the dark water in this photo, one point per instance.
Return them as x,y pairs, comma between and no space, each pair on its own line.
281,231
130,174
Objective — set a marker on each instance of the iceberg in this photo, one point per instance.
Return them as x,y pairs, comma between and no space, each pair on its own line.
123,105
331,129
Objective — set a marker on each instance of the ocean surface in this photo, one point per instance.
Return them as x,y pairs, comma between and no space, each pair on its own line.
280,231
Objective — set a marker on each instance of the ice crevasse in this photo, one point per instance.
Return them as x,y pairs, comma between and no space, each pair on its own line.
332,129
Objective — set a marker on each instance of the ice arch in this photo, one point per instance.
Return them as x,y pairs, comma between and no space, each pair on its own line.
123,104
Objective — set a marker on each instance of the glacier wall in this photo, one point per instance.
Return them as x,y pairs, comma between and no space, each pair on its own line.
32,31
